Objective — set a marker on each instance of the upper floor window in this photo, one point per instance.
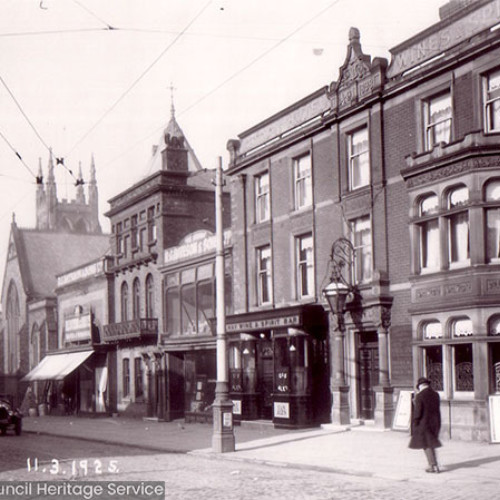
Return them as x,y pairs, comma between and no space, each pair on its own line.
151,225
302,182
136,299
492,195
437,119
429,234
150,297
359,159
458,226
124,301
492,101
126,377
305,266
361,237
262,201
264,275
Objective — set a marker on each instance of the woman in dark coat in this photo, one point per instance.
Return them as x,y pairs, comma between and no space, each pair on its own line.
426,422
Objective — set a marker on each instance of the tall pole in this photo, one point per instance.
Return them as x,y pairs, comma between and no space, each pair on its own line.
223,435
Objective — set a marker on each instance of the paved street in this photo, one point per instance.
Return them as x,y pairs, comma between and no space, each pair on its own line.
316,464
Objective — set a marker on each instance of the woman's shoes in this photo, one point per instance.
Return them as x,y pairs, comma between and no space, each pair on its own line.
433,468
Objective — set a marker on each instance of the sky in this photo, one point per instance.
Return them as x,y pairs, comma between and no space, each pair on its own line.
97,77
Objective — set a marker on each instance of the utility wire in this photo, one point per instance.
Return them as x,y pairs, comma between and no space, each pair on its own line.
94,15
17,154
260,56
141,76
23,113
51,32
231,77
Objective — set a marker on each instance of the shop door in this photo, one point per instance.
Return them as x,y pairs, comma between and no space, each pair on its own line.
265,370
368,375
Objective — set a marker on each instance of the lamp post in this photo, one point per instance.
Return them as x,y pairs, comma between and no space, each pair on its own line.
223,432
336,293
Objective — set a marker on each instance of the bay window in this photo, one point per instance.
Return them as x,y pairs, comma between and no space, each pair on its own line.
492,101
492,195
458,227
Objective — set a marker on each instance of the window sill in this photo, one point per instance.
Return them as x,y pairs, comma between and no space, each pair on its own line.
460,265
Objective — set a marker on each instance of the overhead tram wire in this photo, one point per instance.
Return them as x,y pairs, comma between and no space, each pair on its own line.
94,15
231,77
18,156
141,76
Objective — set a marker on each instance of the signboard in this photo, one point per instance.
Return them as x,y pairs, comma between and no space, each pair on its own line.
494,407
281,410
81,273
236,407
77,328
423,48
402,417
264,324
283,381
197,244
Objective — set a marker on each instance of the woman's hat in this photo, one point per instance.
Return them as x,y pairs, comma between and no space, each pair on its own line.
423,380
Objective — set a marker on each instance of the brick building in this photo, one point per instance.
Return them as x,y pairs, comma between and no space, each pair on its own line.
175,199
400,158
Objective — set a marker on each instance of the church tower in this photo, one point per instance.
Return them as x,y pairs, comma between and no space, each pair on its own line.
74,216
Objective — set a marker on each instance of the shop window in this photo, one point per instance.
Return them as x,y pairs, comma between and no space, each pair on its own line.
150,297
305,266
124,301
438,120
173,311
264,275
126,377
361,237
458,227
302,182
463,376
433,359
429,234
188,313
291,359
136,299
492,101
138,378
359,159
262,198
205,305
492,198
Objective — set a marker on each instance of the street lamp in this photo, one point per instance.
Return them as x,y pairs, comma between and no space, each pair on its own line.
223,432
336,293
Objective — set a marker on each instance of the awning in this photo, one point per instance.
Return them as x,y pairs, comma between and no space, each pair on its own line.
57,366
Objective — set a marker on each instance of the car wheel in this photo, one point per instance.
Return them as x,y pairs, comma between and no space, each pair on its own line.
19,427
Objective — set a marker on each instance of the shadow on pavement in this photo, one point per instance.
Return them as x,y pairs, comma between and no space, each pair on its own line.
469,464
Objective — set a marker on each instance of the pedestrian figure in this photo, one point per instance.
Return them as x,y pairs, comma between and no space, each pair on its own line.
426,422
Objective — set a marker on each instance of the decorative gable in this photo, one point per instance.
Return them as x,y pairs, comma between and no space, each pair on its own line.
359,78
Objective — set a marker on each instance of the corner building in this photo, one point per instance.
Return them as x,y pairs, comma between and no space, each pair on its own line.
401,158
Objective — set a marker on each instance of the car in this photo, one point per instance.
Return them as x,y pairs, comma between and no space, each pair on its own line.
10,417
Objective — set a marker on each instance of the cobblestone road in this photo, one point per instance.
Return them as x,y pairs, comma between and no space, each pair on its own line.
193,477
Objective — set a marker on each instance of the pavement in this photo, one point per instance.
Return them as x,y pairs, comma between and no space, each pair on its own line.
357,450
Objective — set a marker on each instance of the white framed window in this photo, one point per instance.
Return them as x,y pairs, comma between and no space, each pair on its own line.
305,266
262,199
458,228
429,250
492,101
361,238
432,330
302,182
359,159
264,275
492,198
437,120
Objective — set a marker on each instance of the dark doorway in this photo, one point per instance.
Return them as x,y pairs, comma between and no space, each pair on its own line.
368,369
265,377
495,367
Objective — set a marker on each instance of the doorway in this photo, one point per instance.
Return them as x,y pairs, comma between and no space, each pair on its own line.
368,373
265,377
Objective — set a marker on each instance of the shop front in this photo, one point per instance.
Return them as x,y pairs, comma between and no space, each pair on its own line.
278,366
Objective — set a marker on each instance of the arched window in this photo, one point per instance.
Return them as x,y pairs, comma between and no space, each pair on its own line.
432,330
462,355
124,301
136,300
12,315
492,195
429,234
494,325
150,297
458,226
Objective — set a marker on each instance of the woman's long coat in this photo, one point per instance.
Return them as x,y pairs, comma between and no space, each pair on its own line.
426,420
